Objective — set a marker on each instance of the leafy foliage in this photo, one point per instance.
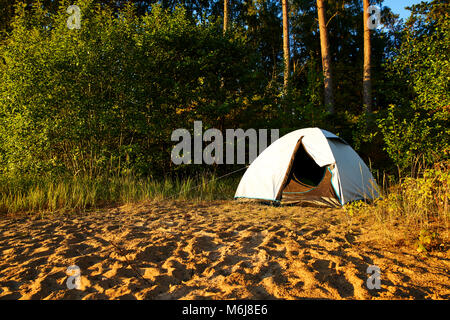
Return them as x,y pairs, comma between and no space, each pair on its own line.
104,99
107,96
417,122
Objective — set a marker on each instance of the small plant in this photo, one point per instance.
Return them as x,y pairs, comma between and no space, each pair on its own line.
417,204
428,241
353,208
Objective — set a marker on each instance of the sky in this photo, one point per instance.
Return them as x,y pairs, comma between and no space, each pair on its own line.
398,6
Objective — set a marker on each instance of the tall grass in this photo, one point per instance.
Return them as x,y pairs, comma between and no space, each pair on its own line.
81,193
418,201
421,199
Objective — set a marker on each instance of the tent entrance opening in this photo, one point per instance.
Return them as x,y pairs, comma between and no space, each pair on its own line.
305,170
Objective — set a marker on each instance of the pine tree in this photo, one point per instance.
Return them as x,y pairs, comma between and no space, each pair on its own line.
326,58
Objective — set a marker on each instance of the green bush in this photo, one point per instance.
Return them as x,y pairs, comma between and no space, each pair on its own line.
105,98
417,123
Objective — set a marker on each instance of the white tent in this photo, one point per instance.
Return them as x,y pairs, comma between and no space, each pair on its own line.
308,165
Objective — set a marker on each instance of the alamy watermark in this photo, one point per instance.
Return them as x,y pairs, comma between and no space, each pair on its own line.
374,280
374,17
218,151
74,20
74,279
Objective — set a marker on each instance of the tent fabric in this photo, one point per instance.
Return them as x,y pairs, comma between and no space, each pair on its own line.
353,174
268,173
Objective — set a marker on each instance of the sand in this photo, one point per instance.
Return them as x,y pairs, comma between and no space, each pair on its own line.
211,250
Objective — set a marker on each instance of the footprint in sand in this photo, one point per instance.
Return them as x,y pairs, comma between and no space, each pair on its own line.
156,253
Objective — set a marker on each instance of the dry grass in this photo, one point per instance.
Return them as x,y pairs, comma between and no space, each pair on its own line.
414,209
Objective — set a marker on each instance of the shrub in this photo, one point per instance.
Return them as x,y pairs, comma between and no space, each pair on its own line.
105,98
417,122
419,203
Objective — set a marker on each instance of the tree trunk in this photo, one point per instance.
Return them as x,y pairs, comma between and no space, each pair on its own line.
225,15
326,58
286,44
367,77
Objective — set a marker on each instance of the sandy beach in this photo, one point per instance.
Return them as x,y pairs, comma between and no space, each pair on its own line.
211,250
